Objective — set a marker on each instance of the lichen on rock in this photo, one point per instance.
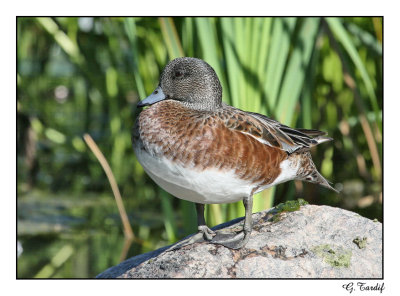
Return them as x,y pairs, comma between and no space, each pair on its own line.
335,256
360,242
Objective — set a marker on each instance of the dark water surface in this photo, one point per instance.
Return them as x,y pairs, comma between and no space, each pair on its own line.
66,236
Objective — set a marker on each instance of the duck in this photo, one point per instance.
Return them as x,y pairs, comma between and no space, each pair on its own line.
200,149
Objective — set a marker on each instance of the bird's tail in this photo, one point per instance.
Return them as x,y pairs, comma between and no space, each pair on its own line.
309,173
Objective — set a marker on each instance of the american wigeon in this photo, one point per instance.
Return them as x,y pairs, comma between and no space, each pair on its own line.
202,150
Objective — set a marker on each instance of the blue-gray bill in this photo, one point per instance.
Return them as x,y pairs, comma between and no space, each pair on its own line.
156,96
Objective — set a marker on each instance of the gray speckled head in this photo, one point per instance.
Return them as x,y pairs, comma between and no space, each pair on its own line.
193,82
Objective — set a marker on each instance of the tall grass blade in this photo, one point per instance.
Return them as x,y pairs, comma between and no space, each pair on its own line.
65,42
207,36
366,38
296,70
278,53
130,29
188,36
306,96
171,38
168,215
230,59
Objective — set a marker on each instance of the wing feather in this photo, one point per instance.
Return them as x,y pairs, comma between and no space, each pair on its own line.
272,132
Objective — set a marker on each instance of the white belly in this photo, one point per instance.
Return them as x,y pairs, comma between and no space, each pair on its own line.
208,186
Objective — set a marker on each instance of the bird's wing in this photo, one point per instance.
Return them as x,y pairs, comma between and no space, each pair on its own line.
271,132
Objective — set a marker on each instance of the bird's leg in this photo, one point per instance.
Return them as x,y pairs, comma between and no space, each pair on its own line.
208,234
204,233
228,240
240,239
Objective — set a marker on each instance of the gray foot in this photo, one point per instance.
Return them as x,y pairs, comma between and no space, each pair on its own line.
204,234
208,234
231,241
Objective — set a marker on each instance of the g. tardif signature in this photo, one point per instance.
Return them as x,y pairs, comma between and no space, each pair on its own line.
364,287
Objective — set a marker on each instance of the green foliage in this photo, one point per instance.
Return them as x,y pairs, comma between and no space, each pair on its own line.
85,75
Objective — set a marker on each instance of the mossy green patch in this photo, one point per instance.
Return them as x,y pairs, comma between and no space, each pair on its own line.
334,256
288,206
360,242
276,218
291,205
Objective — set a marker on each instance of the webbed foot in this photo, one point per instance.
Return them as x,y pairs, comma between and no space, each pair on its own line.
208,234
232,241
204,234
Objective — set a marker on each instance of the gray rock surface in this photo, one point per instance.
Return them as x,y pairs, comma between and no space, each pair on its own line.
313,242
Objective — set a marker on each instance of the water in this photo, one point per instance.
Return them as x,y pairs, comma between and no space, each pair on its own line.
64,236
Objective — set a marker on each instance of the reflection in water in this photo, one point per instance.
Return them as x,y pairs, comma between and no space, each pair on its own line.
69,237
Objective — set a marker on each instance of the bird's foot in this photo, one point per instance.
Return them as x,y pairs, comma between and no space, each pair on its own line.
208,234
204,234
232,241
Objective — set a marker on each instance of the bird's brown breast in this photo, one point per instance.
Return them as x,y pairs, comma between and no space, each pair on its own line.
200,140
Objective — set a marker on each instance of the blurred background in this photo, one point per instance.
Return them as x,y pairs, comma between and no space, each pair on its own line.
85,75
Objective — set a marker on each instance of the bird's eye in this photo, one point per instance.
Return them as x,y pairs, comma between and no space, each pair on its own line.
179,73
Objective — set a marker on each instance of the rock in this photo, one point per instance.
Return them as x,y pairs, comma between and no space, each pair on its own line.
312,242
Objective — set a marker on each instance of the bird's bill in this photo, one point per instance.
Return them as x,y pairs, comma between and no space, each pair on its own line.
156,96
